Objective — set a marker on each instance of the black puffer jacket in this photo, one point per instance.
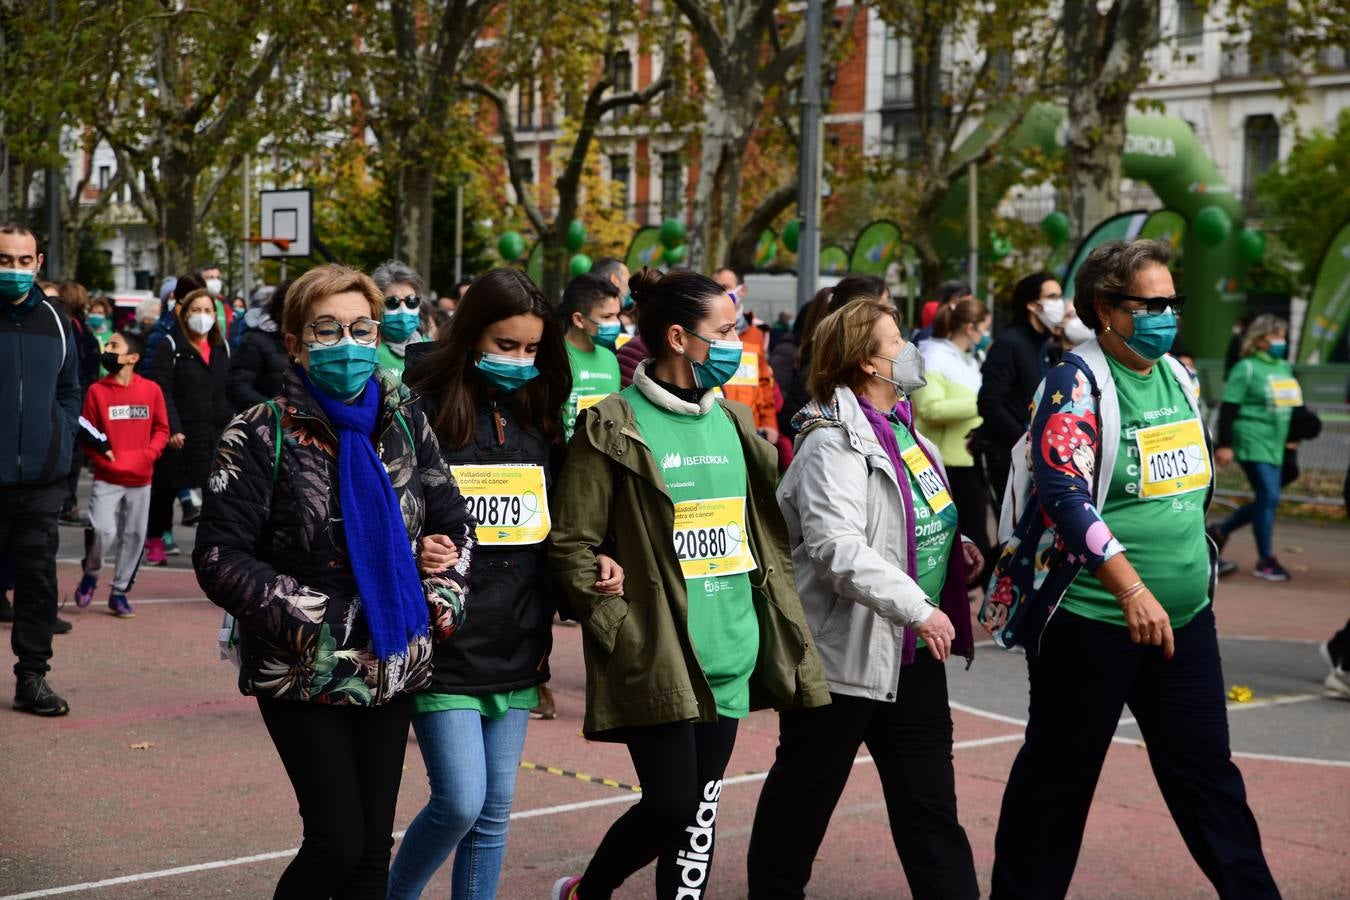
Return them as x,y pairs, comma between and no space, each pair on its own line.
194,397
1012,371
505,645
272,552
257,369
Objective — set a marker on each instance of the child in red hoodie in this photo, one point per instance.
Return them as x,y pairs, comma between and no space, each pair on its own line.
124,428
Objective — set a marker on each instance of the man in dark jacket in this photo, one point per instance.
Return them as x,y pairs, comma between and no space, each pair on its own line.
40,404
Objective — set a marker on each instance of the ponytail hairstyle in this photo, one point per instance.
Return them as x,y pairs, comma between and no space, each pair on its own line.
681,297
951,319
446,375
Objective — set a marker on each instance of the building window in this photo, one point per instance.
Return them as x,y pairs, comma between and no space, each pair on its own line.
900,136
671,177
897,74
1190,23
622,74
619,172
525,107
1261,152
104,176
527,171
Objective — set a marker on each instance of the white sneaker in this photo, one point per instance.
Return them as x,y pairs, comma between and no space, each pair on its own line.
564,888
1338,682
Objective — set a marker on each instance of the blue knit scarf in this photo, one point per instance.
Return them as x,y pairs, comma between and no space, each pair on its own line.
381,557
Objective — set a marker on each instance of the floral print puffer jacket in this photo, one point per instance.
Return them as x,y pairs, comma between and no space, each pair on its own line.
271,549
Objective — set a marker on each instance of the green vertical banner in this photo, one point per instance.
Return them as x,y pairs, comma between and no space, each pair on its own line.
766,251
645,249
534,264
833,260
877,246
1124,227
1329,309
1166,225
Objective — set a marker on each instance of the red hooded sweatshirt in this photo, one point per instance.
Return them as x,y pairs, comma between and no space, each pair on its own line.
132,422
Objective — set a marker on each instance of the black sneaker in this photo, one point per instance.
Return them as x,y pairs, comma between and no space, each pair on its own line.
34,695
1227,567
191,512
1270,570
62,626
1219,538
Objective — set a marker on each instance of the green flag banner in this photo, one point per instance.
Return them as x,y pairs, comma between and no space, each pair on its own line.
877,246
1329,309
645,249
534,266
1166,225
767,248
1123,227
833,260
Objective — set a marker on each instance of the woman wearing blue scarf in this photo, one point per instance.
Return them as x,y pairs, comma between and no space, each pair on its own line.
336,537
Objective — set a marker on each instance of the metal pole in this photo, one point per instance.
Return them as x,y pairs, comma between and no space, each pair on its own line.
459,233
809,161
55,238
973,206
248,228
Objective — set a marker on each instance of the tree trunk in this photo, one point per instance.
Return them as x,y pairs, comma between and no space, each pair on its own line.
177,210
746,243
1096,143
924,225
726,135
412,227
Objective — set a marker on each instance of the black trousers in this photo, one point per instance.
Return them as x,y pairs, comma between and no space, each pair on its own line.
995,465
680,767
910,742
29,537
1085,673
162,495
345,764
971,496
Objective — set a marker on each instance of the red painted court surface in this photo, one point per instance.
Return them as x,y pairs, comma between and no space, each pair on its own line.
203,808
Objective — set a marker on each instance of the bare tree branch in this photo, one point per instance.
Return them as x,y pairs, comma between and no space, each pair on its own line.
511,150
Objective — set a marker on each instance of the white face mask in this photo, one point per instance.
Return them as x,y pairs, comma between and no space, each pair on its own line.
907,371
200,323
1051,313
214,285
1075,332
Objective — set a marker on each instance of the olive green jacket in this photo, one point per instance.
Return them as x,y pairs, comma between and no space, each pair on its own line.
641,667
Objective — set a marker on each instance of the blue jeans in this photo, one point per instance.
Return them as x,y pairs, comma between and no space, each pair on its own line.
471,763
1260,513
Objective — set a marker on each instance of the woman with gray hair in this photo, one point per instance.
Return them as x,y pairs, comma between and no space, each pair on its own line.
399,326
1107,581
1259,399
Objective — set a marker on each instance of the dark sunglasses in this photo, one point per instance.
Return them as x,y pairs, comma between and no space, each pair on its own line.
392,303
1154,306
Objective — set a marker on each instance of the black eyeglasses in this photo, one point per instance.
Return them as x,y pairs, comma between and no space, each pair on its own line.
392,303
1154,306
329,331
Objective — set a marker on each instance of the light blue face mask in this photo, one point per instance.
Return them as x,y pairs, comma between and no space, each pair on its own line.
341,369
724,358
606,332
398,326
982,344
1153,335
15,284
507,373
1278,349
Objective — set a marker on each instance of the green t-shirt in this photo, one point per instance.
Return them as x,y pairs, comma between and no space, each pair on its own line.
391,360
595,375
1164,535
489,706
1265,393
701,459
934,533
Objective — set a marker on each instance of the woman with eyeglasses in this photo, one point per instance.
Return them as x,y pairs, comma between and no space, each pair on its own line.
400,321
677,485
1107,583
335,536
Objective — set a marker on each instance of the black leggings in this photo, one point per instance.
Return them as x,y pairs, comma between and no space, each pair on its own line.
345,764
971,496
680,767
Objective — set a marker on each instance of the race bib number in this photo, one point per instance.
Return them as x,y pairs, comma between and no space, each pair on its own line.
1286,392
1173,459
929,481
621,340
747,373
586,401
508,502
710,538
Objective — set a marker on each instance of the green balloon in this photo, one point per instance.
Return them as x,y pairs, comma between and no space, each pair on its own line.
1212,226
1251,245
673,255
791,232
576,236
1056,227
999,246
580,264
510,245
672,233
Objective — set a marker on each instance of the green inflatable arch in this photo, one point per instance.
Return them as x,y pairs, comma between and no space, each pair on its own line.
1161,151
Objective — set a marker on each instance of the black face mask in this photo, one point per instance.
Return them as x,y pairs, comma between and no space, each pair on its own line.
110,363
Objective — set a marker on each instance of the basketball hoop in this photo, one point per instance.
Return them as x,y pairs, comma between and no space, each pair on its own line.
283,243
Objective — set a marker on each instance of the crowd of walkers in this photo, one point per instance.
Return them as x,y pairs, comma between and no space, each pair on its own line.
394,503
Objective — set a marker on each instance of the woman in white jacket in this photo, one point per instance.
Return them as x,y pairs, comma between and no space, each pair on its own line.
881,570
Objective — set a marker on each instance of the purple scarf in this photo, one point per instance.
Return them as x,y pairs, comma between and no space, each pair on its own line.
953,601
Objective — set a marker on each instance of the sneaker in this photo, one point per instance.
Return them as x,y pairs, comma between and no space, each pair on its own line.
170,545
120,606
33,694
565,888
84,594
1216,534
1227,567
191,512
73,516
1270,570
154,552
61,626
1338,682
1324,651
546,708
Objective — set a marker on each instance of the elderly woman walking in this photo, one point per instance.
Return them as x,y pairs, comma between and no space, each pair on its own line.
401,319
